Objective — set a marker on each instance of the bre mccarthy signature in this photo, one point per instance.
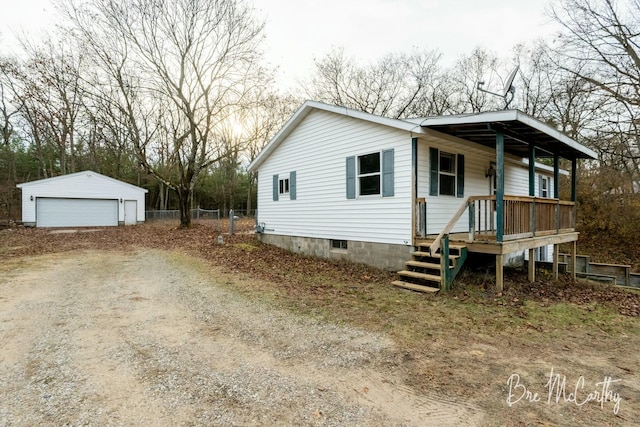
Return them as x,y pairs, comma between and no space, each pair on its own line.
558,391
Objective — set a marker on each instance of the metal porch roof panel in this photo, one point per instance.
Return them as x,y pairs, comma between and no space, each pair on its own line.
519,129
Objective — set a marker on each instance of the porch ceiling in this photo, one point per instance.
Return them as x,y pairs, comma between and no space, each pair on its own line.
519,129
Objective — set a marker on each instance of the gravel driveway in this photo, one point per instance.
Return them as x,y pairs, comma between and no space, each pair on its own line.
152,338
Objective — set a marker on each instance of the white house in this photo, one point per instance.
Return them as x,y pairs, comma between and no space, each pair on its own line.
82,199
335,182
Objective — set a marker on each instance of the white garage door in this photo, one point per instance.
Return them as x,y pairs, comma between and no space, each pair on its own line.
53,212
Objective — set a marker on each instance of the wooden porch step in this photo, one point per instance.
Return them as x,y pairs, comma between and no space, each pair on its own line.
420,276
420,264
427,254
414,287
423,272
451,246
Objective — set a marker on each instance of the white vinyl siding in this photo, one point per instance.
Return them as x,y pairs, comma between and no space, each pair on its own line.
76,212
317,149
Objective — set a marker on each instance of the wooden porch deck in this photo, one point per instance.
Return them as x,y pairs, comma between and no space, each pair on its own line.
523,223
487,245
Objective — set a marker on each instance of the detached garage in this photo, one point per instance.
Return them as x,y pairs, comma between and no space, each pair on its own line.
83,199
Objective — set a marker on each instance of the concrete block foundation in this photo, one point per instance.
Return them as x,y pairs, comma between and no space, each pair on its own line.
381,255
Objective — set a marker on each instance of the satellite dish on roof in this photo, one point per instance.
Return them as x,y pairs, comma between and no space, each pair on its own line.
509,89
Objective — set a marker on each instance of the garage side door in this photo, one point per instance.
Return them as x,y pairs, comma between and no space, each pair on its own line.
55,212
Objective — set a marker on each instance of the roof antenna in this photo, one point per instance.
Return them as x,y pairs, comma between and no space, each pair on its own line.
509,88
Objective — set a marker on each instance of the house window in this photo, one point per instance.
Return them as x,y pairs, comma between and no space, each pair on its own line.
544,186
339,244
369,174
542,253
284,186
447,174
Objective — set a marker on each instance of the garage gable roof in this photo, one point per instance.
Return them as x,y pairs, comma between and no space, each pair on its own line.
77,175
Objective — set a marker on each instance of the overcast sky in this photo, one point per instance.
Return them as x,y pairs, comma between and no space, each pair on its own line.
298,31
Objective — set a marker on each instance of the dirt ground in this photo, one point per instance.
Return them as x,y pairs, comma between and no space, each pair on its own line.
149,337
155,325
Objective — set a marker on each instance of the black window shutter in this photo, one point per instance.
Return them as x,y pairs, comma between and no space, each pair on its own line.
292,185
275,188
387,173
460,180
433,171
351,177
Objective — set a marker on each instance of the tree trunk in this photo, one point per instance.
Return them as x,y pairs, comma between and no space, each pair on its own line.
249,193
161,196
184,199
72,151
249,201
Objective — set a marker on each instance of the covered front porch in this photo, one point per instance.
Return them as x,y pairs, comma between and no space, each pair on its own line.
527,223
499,223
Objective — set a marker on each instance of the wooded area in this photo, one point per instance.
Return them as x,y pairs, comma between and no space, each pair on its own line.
176,98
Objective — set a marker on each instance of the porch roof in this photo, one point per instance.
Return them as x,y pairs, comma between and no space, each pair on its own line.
520,130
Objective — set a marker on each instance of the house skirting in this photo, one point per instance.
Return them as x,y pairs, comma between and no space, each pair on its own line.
381,255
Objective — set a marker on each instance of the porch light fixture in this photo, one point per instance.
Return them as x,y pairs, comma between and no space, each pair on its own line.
120,200
492,170
31,198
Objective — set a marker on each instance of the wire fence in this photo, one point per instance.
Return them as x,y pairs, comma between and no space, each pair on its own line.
218,219
174,214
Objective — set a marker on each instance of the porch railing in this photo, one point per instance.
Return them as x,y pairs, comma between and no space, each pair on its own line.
523,216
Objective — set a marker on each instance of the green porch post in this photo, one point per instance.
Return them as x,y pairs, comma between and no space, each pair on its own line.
414,190
532,188
532,170
574,179
556,176
500,186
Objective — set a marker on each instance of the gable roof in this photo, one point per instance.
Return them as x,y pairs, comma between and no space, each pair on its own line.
76,175
519,129
309,106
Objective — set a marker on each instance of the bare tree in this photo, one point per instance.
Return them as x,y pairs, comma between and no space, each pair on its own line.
260,124
47,91
397,85
8,177
479,66
599,46
7,110
176,70
28,116
536,77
